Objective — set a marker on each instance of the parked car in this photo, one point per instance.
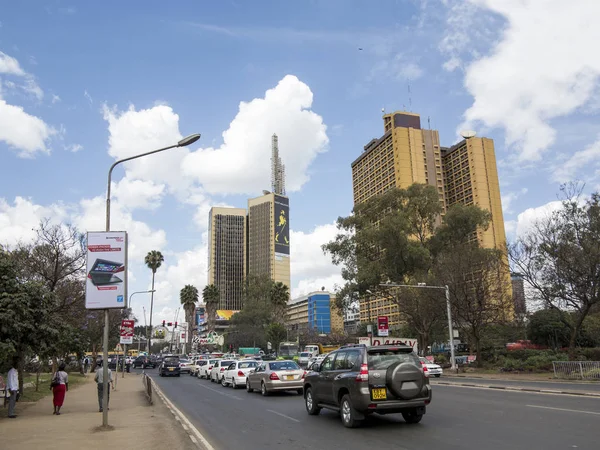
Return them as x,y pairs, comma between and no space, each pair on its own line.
304,358
431,368
218,370
272,376
235,374
169,366
195,369
363,380
144,362
185,365
204,371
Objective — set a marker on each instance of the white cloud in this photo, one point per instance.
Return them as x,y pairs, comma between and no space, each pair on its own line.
88,97
589,158
133,194
527,219
544,66
55,98
10,65
397,67
285,110
24,132
18,221
508,199
74,148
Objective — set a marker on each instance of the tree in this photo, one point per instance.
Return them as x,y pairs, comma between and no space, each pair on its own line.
189,297
560,257
550,327
276,333
280,296
210,295
153,260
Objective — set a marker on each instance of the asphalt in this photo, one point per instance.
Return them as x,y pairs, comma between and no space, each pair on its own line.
552,385
458,418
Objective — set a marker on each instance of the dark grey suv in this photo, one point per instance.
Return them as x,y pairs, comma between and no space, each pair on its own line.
358,381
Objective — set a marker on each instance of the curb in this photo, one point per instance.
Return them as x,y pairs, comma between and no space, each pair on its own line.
521,389
195,436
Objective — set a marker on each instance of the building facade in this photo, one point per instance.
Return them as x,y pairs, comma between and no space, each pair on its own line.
406,154
518,294
315,311
269,237
227,255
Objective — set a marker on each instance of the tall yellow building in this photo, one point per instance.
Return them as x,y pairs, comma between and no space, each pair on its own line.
406,154
269,237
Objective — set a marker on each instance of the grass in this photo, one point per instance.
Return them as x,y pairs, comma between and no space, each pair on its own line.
30,394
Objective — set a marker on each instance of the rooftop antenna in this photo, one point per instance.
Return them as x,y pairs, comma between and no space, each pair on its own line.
409,98
429,122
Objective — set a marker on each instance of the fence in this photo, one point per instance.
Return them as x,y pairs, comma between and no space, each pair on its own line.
147,382
577,370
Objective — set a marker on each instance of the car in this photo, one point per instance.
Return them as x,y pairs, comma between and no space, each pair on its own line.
360,381
304,358
315,359
236,373
185,365
169,366
195,369
272,376
431,368
218,370
144,362
204,371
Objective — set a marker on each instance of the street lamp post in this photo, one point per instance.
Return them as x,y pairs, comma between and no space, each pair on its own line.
182,143
450,328
125,345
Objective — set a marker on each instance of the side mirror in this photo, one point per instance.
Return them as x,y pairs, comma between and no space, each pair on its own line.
316,367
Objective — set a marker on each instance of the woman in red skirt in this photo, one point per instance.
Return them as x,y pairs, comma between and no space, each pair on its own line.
61,381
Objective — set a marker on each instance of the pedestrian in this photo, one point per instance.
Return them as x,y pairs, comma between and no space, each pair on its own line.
13,388
99,379
86,364
60,382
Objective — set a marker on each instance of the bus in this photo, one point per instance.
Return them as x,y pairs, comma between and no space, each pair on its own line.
288,350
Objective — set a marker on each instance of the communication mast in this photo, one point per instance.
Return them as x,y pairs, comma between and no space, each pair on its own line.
277,168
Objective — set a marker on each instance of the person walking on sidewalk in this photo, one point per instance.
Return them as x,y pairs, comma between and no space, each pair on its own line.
99,379
61,386
13,388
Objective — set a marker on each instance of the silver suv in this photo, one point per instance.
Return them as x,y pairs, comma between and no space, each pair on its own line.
357,381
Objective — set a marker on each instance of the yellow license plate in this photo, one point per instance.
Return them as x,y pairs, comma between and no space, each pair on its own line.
378,394
171,369
289,377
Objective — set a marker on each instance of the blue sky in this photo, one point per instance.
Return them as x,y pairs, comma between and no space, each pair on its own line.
83,84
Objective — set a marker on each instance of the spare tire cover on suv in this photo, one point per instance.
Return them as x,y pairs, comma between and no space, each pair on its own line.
404,379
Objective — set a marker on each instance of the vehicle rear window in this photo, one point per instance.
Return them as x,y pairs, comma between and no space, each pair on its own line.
202,362
305,354
214,361
171,359
284,365
184,360
247,365
225,363
381,360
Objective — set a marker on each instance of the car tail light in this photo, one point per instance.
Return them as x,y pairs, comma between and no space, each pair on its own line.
303,374
273,376
364,373
425,371
241,374
222,369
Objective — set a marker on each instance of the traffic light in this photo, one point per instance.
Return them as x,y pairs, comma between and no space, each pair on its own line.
163,323
175,324
170,324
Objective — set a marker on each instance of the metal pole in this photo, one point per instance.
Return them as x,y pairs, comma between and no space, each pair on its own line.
124,359
105,372
450,329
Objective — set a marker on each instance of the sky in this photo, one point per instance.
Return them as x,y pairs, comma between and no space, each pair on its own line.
83,84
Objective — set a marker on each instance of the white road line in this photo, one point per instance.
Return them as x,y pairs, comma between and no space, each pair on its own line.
219,392
283,415
563,409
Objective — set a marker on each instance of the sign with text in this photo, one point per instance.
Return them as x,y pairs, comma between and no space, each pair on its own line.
411,342
127,331
106,284
382,326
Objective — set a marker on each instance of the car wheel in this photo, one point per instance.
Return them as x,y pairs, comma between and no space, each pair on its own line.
263,389
311,404
411,416
347,413
223,382
211,378
248,388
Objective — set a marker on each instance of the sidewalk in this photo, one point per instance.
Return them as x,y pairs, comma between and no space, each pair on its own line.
508,376
137,425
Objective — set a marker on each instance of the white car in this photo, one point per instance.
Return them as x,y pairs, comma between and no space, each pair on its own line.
218,370
304,358
431,368
204,371
185,365
236,373
195,369
315,359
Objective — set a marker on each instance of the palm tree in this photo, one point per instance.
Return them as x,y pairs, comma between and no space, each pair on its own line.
210,295
153,260
280,295
189,297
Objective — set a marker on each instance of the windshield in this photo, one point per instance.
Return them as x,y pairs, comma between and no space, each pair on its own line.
283,365
247,365
305,354
381,360
171,359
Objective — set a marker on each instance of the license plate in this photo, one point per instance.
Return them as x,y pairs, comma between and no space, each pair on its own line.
289,377
378,394
171,369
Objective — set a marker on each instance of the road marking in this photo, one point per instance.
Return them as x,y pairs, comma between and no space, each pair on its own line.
563,409
283,415
219,392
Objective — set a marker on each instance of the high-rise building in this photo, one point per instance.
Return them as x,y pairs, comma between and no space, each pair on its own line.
269,237
277,168
407,154
518,294
227,255
315,311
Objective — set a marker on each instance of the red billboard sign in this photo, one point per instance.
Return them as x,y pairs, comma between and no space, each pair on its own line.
382,326
127,331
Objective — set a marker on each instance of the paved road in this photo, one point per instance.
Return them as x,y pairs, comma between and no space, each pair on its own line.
554,385
458,419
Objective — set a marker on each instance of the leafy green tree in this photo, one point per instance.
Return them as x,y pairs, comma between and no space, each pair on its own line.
210,295
153,260
276,333
189,297
550,327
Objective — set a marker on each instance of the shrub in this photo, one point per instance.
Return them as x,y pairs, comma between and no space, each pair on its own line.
441,360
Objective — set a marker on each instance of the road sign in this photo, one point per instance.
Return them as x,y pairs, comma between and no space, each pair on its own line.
106,284
127,331
382,326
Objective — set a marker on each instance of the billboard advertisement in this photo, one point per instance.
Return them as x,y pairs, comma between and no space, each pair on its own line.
106,284
225,314
282,225
127,331
200,315
382,326
374,341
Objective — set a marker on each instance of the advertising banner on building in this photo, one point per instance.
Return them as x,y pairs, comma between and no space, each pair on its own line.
382,326
106,284
390,341
225,314
282,225
127,331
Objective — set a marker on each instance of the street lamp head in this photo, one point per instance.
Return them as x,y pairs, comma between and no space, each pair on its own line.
188,140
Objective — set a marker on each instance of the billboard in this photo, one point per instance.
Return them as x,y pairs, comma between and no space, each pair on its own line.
225,314
382,326
374,341
282,225
200,315
127,331
106,284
